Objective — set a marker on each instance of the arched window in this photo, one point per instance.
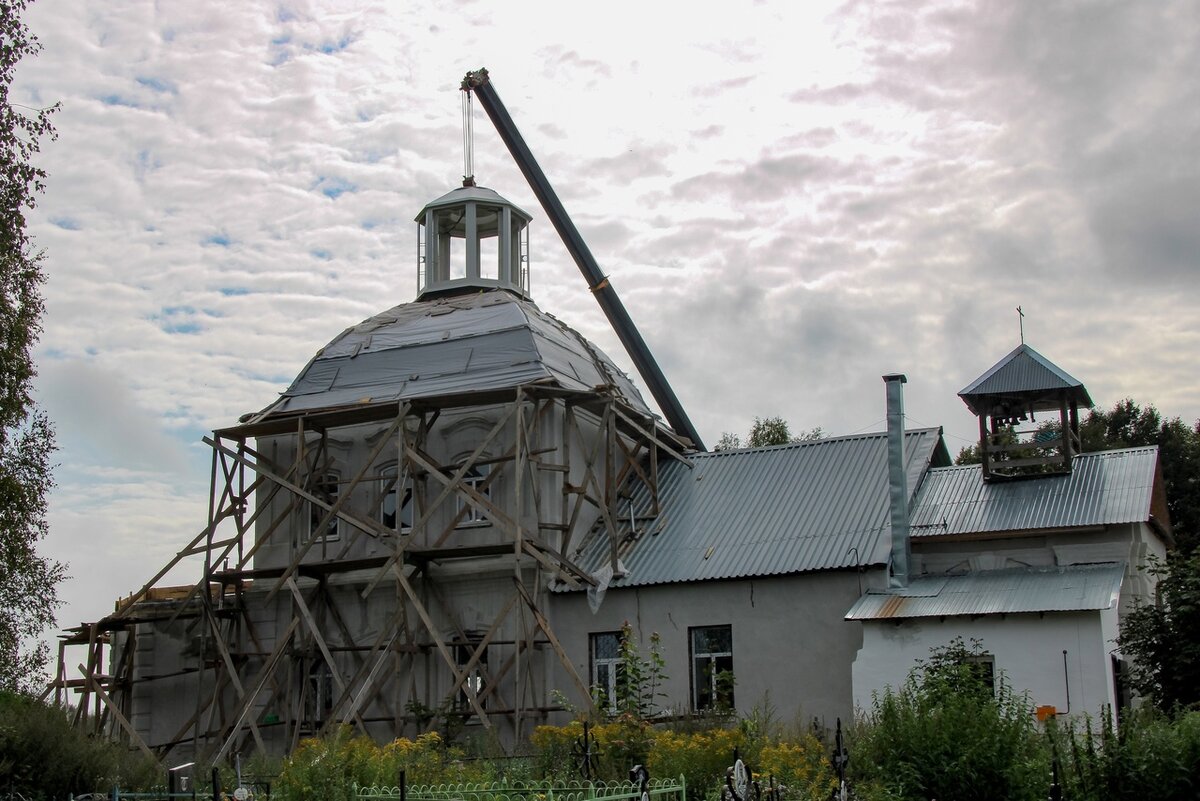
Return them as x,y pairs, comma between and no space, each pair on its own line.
391,511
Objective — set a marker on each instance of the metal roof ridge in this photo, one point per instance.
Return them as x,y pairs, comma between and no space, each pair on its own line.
822,441
1086,455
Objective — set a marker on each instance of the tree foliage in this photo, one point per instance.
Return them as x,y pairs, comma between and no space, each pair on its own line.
1129,425
28,596
767,431
1163,639
42,756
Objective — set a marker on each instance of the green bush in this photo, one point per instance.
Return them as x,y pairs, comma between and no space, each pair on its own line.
326,769
701,757
43,757
618,745
1152,755
946,734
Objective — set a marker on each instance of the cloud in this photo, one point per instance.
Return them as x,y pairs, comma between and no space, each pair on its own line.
792,199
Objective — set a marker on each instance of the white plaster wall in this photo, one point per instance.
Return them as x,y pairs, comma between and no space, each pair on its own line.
1028,650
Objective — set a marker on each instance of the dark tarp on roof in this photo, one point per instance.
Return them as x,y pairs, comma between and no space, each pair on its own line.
478,342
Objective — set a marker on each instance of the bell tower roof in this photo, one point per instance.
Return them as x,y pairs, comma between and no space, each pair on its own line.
1026,375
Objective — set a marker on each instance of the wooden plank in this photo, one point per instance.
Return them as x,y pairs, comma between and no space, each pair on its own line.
219,639
315,631
116,713
544,625
334,510
382,644
267,669
441,646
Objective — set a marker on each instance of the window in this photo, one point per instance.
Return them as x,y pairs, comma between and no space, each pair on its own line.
606,665
318,701
476,479
474,679
984,668
389,515
325,489
712,667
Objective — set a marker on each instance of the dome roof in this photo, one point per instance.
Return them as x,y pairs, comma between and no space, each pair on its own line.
481,342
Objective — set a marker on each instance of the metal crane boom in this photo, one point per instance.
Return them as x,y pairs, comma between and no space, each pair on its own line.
606,296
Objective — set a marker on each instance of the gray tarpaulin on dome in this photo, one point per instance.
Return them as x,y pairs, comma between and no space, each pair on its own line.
478,342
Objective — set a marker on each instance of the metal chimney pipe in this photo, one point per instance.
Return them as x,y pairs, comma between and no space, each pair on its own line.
897,480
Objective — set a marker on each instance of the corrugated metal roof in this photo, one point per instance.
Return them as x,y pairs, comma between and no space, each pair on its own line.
1022,370
994,592
1024,379
477,342
1110,487
766,511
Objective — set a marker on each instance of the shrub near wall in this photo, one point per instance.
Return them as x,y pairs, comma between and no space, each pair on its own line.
701,757
618,746
945,734
1152,756
801,769
326,769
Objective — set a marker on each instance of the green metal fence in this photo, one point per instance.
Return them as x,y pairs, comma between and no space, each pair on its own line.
658,790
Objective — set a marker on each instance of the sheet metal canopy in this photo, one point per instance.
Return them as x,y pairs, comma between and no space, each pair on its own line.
1106,488
1022,372
475,343
993,592
815,505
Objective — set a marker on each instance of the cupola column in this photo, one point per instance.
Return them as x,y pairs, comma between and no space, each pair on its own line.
472,241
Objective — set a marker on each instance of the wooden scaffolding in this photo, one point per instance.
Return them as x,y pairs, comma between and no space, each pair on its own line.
246,686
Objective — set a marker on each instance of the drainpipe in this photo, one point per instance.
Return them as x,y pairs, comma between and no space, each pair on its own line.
897,480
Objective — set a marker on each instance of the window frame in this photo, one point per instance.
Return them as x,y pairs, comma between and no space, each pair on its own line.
985,665
333,530
612,665
476,477
462,655
389,487
714,698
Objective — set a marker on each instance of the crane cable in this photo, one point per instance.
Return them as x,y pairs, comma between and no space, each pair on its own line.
468,140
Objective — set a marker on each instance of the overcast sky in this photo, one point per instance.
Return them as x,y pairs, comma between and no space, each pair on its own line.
791,199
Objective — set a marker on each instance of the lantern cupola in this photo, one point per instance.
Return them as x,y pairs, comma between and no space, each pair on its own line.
470,239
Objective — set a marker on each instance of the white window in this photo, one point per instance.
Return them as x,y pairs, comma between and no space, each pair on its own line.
392,513
476,479
712,667
326,489
606,668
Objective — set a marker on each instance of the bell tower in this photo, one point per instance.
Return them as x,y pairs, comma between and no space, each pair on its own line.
470,239
1008,398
